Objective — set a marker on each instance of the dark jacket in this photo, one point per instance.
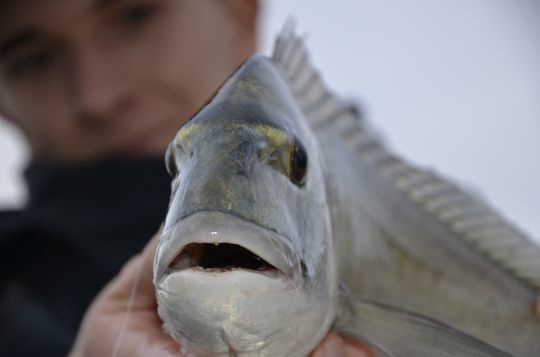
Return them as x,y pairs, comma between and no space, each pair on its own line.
79,227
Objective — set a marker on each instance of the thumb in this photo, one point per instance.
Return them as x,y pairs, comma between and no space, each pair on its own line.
136,279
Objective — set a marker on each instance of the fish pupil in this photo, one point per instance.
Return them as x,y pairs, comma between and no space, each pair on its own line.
170,163
299,162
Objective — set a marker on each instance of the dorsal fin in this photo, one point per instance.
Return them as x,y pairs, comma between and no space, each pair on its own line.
466,217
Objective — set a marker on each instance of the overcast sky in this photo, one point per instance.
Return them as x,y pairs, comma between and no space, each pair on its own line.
452,85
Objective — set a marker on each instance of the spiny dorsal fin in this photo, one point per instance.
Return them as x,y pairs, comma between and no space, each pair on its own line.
464,216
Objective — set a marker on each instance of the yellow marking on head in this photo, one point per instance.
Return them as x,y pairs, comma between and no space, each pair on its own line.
277,137
226,200
250,87
187,131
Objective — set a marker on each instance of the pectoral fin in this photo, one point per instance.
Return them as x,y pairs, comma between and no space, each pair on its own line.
394,332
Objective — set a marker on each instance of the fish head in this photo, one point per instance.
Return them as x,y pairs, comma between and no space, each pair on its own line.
245,261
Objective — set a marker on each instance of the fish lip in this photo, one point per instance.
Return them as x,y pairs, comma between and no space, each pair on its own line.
200,226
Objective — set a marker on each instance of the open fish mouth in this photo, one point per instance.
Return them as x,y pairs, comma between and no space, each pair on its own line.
219,243
220,258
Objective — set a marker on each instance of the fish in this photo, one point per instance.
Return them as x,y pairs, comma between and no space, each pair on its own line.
289,218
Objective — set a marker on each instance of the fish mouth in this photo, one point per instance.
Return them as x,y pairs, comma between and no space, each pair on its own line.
220,243
219,258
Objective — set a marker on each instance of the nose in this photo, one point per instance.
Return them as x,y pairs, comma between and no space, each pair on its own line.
98,87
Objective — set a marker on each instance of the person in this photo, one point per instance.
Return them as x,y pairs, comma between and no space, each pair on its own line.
99,88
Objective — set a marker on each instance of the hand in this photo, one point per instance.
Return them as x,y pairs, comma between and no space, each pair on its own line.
116,326
123,320
334,345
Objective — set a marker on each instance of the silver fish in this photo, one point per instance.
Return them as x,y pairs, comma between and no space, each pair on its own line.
282,195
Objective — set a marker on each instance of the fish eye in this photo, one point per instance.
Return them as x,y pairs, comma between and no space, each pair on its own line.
170,163
298,164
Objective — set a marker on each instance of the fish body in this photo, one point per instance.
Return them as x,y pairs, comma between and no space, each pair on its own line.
405,256
281,194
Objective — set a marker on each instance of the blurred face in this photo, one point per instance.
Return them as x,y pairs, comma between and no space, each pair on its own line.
91,78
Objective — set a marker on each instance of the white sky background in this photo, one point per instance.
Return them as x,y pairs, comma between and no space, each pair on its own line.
453,85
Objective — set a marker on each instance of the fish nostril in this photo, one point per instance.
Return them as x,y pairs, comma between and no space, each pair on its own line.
303,269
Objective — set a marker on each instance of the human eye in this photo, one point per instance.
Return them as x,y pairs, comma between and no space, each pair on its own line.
31,62
134,17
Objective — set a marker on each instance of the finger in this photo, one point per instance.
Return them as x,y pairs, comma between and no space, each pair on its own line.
135,280
147,296
357,348
144,337
331,346
148,255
